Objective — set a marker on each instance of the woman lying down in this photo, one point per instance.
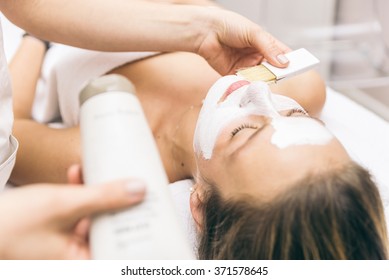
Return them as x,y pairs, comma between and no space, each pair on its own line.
270,180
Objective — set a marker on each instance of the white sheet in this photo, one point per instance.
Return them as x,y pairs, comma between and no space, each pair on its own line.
364,134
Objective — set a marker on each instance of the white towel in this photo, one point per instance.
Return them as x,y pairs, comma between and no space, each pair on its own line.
65,72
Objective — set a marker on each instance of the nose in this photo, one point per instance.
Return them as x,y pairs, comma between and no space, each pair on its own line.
261,99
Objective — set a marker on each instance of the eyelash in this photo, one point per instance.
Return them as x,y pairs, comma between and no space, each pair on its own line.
296,110
241,127
247,125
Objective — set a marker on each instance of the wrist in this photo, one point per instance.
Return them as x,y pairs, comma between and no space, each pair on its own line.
188,25
208,25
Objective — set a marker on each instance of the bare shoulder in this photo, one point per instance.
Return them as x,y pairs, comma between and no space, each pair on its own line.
308,89
171,77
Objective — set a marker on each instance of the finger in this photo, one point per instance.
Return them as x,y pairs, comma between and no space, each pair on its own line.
82,202
272,49
75,245
77,249
82,228
74,174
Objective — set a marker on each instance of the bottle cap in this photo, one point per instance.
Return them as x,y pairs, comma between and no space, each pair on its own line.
103,84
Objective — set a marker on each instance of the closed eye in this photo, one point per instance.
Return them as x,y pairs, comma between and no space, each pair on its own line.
297,112
241,127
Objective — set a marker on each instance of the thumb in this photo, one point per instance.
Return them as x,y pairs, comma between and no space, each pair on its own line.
92,200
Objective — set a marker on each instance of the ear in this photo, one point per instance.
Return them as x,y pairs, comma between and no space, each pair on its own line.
195,202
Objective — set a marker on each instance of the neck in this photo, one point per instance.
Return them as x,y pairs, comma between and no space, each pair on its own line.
183,164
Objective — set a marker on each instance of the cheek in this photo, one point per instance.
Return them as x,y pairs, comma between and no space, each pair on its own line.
212,171
204,165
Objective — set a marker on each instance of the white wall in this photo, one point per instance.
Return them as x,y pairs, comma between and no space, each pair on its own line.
285,18
252,9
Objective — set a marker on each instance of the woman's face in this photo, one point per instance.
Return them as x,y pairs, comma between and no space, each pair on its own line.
251,141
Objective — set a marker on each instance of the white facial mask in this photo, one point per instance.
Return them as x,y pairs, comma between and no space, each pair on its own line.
252,99
298,131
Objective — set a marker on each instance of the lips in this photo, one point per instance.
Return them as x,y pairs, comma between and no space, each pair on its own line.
233,87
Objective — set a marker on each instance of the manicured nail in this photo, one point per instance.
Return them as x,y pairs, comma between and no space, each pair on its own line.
135,187
282,59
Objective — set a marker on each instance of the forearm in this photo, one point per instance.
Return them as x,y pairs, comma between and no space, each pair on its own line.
25,68
44,153
121,25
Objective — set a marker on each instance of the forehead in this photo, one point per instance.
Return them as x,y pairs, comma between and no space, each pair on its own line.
276,136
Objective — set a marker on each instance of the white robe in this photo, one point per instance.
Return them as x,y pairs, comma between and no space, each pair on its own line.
8,144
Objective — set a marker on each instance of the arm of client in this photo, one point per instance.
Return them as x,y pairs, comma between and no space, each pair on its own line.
40,145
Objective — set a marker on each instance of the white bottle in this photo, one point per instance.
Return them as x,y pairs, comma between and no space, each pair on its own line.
118,143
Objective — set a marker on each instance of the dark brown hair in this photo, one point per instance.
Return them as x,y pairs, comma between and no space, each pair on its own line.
336,215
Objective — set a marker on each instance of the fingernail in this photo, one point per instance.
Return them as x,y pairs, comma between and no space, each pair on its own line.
282,59
135,187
